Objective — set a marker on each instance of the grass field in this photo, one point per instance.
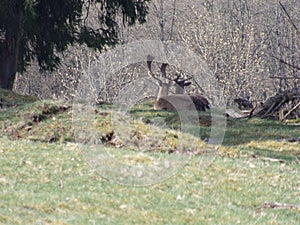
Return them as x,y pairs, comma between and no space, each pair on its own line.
45,178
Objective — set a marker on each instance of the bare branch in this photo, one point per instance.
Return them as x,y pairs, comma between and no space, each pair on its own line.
286,63
284,78
290,19
289,112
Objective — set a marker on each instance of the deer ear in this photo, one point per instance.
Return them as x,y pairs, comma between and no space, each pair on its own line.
150,58
188,83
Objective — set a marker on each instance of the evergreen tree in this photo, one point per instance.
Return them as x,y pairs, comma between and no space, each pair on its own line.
39,29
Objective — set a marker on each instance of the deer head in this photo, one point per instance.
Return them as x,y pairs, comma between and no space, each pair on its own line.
181,83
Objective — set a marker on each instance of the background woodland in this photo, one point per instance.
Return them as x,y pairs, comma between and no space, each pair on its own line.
251,47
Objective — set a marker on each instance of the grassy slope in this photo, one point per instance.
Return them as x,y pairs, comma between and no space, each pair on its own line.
44,177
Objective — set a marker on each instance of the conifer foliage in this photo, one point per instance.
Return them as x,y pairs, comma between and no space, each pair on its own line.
39,29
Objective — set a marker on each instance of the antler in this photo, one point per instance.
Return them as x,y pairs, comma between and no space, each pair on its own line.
162,69
182,82
149,62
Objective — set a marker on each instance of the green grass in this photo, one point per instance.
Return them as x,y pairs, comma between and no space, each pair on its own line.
52,184
259,130
45,177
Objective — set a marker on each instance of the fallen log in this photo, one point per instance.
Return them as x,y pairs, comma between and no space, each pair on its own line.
271,107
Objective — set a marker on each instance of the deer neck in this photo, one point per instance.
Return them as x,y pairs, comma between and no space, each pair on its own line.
163,90
179,90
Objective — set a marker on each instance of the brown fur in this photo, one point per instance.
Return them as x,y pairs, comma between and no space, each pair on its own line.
182,102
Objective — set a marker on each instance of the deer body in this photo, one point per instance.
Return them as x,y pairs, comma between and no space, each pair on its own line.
182,102
178,101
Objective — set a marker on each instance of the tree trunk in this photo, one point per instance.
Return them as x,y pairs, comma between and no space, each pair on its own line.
9,50
9,53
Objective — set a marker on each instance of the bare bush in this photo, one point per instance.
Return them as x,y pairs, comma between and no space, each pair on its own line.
251,47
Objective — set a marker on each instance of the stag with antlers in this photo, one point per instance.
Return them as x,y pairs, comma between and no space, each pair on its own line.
179,100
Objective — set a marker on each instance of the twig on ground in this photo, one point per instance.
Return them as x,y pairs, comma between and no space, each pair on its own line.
278,205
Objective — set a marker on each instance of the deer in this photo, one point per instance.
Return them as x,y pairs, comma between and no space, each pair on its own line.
179,100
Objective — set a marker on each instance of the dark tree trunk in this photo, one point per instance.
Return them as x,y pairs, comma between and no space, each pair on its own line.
9,51
9,54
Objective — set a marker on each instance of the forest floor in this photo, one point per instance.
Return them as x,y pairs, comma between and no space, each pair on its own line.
46,177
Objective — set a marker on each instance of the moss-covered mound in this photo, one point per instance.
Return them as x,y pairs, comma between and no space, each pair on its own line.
52,121
10,98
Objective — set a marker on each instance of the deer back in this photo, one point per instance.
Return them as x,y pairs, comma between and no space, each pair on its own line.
182,102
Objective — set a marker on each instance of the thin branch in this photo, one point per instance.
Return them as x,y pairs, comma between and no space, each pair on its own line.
290,19
284,78
289,112
87,6
286,63
173,19
279,205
